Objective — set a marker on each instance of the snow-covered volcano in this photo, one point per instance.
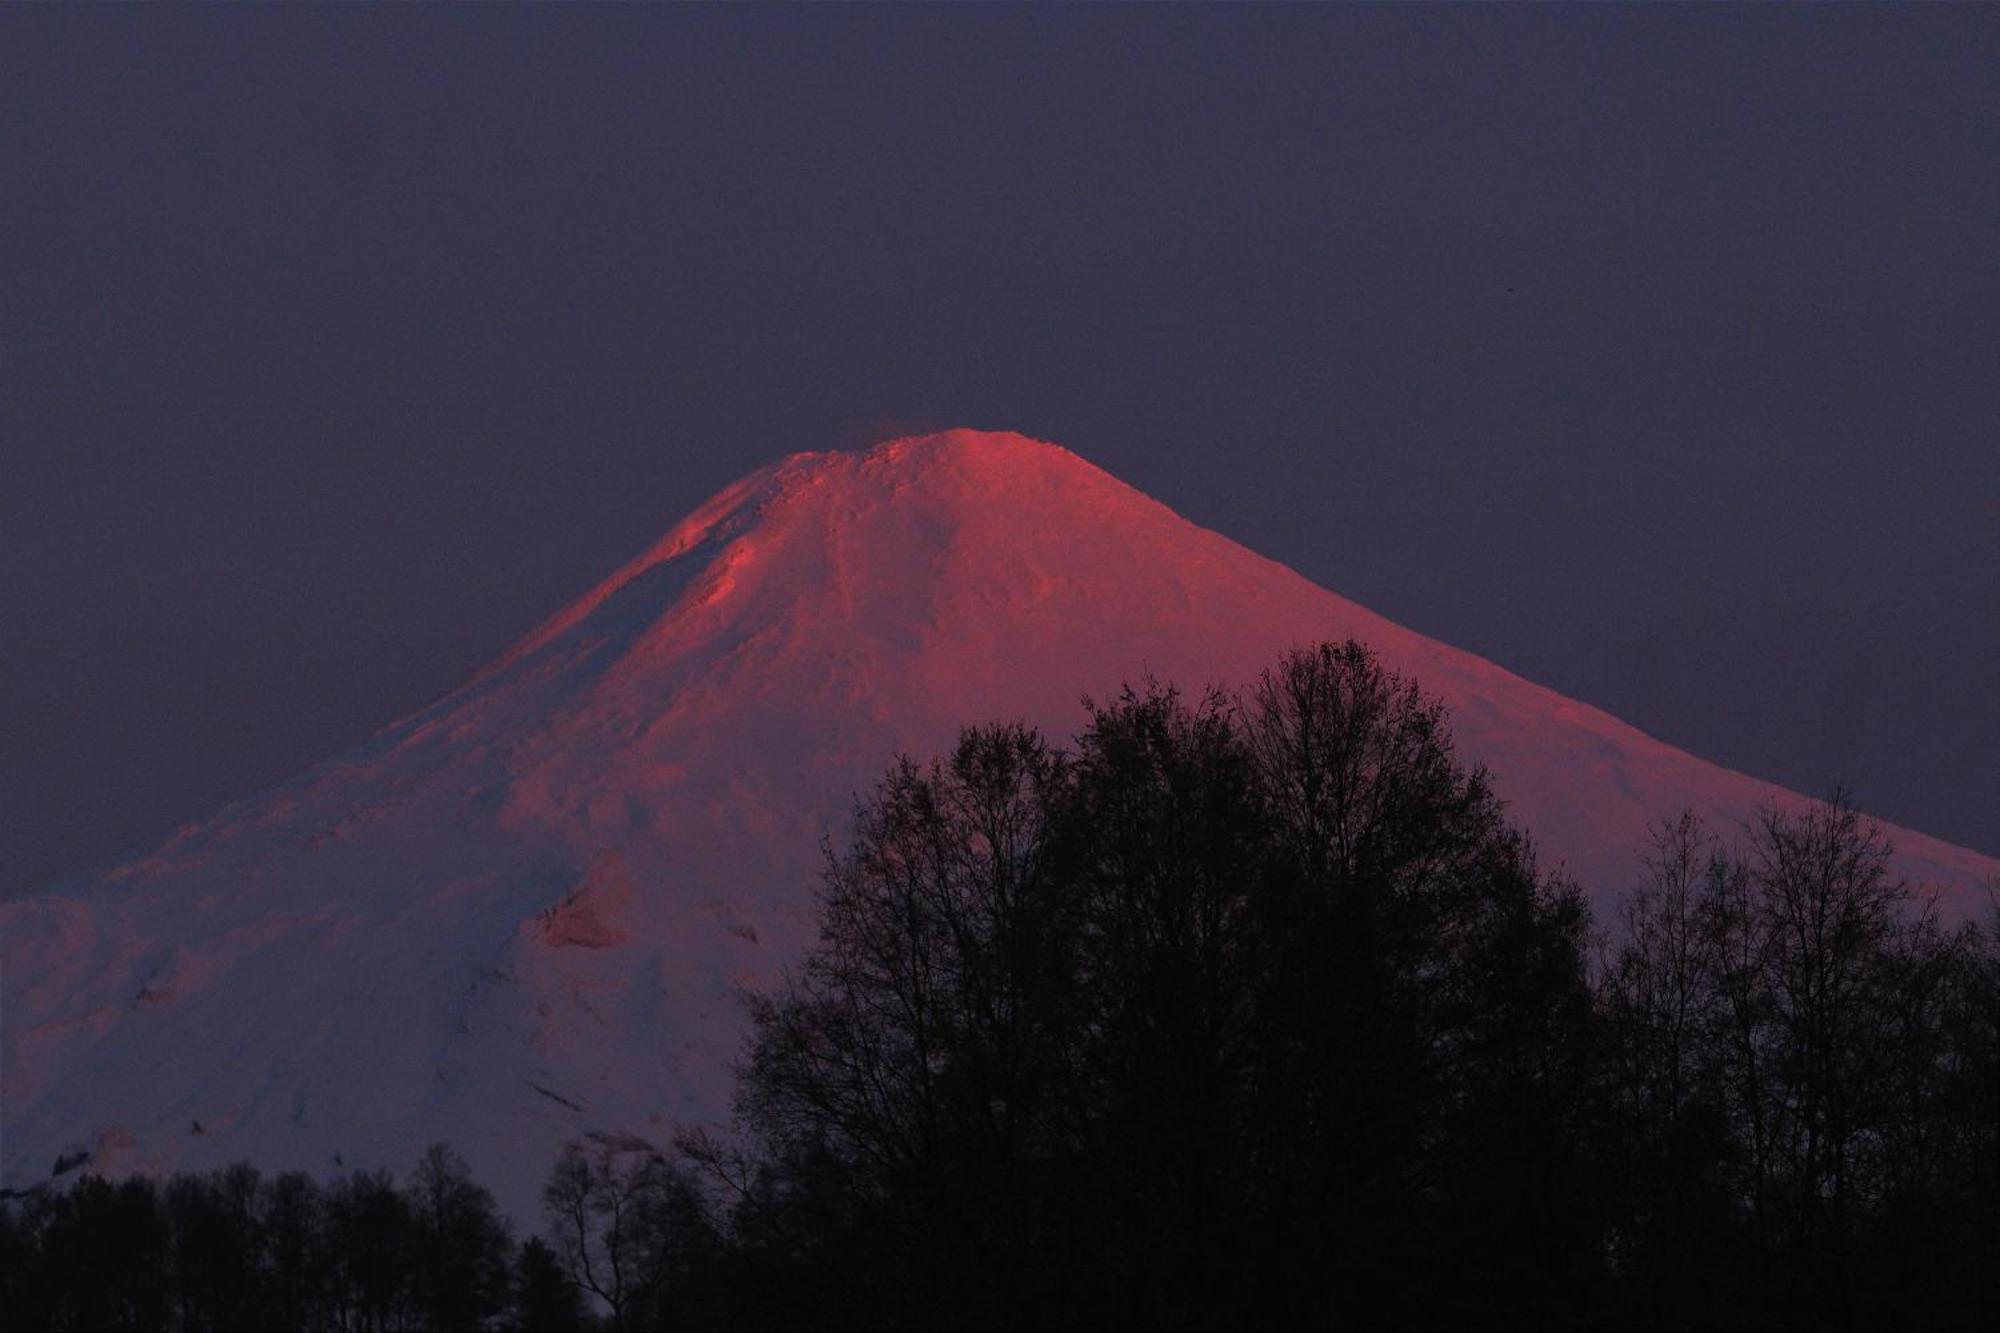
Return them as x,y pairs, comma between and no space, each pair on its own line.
525,913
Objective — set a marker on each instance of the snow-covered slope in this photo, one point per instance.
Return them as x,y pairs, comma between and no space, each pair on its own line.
524,913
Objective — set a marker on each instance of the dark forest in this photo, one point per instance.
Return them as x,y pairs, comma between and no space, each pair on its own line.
1236,1011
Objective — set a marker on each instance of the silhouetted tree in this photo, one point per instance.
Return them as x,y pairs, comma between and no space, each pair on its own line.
1678,1238
545,1300
463,1248
1426,1016
216,1246
101,1257
1164,847
629,1225
1793,1041
371,1252
295,1250
916,1065
1830,916
1974,1105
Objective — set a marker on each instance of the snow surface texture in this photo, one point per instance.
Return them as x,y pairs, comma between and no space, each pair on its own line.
525,913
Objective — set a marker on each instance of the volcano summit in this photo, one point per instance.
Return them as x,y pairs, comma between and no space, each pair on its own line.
524,913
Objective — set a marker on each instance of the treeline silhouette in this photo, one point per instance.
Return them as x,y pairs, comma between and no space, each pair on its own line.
1234,1013
231,1249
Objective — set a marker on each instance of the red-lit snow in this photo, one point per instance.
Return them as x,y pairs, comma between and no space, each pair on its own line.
525,913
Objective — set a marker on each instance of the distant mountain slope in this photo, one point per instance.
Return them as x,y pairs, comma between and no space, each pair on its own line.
524,913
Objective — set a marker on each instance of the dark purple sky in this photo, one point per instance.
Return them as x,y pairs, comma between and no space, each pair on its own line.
1652,352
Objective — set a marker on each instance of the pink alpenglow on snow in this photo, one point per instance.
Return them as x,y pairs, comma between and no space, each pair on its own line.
526,913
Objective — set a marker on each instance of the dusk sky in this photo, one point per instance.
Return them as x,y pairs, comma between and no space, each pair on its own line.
1651,352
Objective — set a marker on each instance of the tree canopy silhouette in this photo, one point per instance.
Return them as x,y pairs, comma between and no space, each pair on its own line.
1233,1009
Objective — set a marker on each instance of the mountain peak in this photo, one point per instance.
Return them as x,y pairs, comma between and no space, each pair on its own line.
975,466
967,446
894,503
